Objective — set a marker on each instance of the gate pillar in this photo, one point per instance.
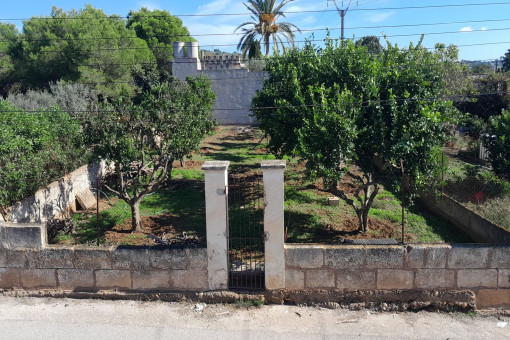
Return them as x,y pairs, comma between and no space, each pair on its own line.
274,223
215,173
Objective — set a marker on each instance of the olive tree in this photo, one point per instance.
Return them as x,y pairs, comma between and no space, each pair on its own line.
336,106
144,136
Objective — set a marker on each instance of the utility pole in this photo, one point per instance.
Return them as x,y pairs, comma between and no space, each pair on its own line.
342,10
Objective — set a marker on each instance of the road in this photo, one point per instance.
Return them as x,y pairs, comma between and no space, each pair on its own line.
48,318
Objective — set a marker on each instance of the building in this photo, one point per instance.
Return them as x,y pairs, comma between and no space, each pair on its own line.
234,85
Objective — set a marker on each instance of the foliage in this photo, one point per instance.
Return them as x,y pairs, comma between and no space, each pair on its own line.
254,51
338,104
35,149
91,48
492,95
72,98
264,25
8,40
159,29
372,43
498,143
142,140
458,86
506,62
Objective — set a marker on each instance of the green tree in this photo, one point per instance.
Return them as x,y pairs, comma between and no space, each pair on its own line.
506,61
159,29
337,106
265,27
80,46
255,52
372,43
497,141
9,43
142,140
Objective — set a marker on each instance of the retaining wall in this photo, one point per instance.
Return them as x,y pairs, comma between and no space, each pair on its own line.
475,226
92,269
56,199
485,270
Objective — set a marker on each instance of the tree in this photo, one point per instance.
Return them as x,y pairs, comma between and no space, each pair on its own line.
159,29
9,41
264,25
80,46
143,139
506,61
497,141
337,106
255,52
372,43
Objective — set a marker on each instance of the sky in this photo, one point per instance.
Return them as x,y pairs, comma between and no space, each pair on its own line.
485,27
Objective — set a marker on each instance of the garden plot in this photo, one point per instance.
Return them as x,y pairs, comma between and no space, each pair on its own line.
176,214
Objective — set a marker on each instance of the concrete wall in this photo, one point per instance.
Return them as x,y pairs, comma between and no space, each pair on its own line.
234,88
485,270
93,269
475,226
56,199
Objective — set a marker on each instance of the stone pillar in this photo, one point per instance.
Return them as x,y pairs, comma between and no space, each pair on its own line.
273,223
178,49
216,223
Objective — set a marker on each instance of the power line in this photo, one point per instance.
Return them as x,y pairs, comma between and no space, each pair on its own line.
234,34
285,12
299,41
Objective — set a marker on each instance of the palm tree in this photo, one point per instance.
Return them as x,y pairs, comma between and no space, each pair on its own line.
264,26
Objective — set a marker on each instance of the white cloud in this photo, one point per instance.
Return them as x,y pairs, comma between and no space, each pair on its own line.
466,29
309,20
210,42
378,17
150,5
222,6
484,28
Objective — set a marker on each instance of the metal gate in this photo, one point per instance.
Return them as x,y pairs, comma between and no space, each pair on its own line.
245,233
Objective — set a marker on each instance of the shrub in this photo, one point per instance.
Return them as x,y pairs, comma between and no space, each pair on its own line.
35,149
498,143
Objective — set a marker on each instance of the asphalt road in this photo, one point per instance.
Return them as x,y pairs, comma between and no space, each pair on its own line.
46,318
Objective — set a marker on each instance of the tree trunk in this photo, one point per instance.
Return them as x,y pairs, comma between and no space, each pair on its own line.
136,222
364,220
266,38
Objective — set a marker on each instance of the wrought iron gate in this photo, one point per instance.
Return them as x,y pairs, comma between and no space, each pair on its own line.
245,233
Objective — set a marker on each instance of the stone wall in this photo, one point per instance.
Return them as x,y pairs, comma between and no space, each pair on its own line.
94,269
234,88
56,199
475,226
485,270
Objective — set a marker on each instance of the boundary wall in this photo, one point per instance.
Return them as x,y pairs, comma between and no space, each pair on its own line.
82,269
485,270
438,276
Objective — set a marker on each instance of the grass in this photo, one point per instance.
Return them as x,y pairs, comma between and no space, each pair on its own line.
478,189
308,217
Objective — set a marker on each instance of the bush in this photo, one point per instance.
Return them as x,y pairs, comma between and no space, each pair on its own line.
498,143
35,149
72,98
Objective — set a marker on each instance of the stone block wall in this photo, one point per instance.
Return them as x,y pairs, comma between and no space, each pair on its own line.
57,199
483,269
95,269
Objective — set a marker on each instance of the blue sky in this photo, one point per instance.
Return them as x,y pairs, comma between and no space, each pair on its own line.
473,24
